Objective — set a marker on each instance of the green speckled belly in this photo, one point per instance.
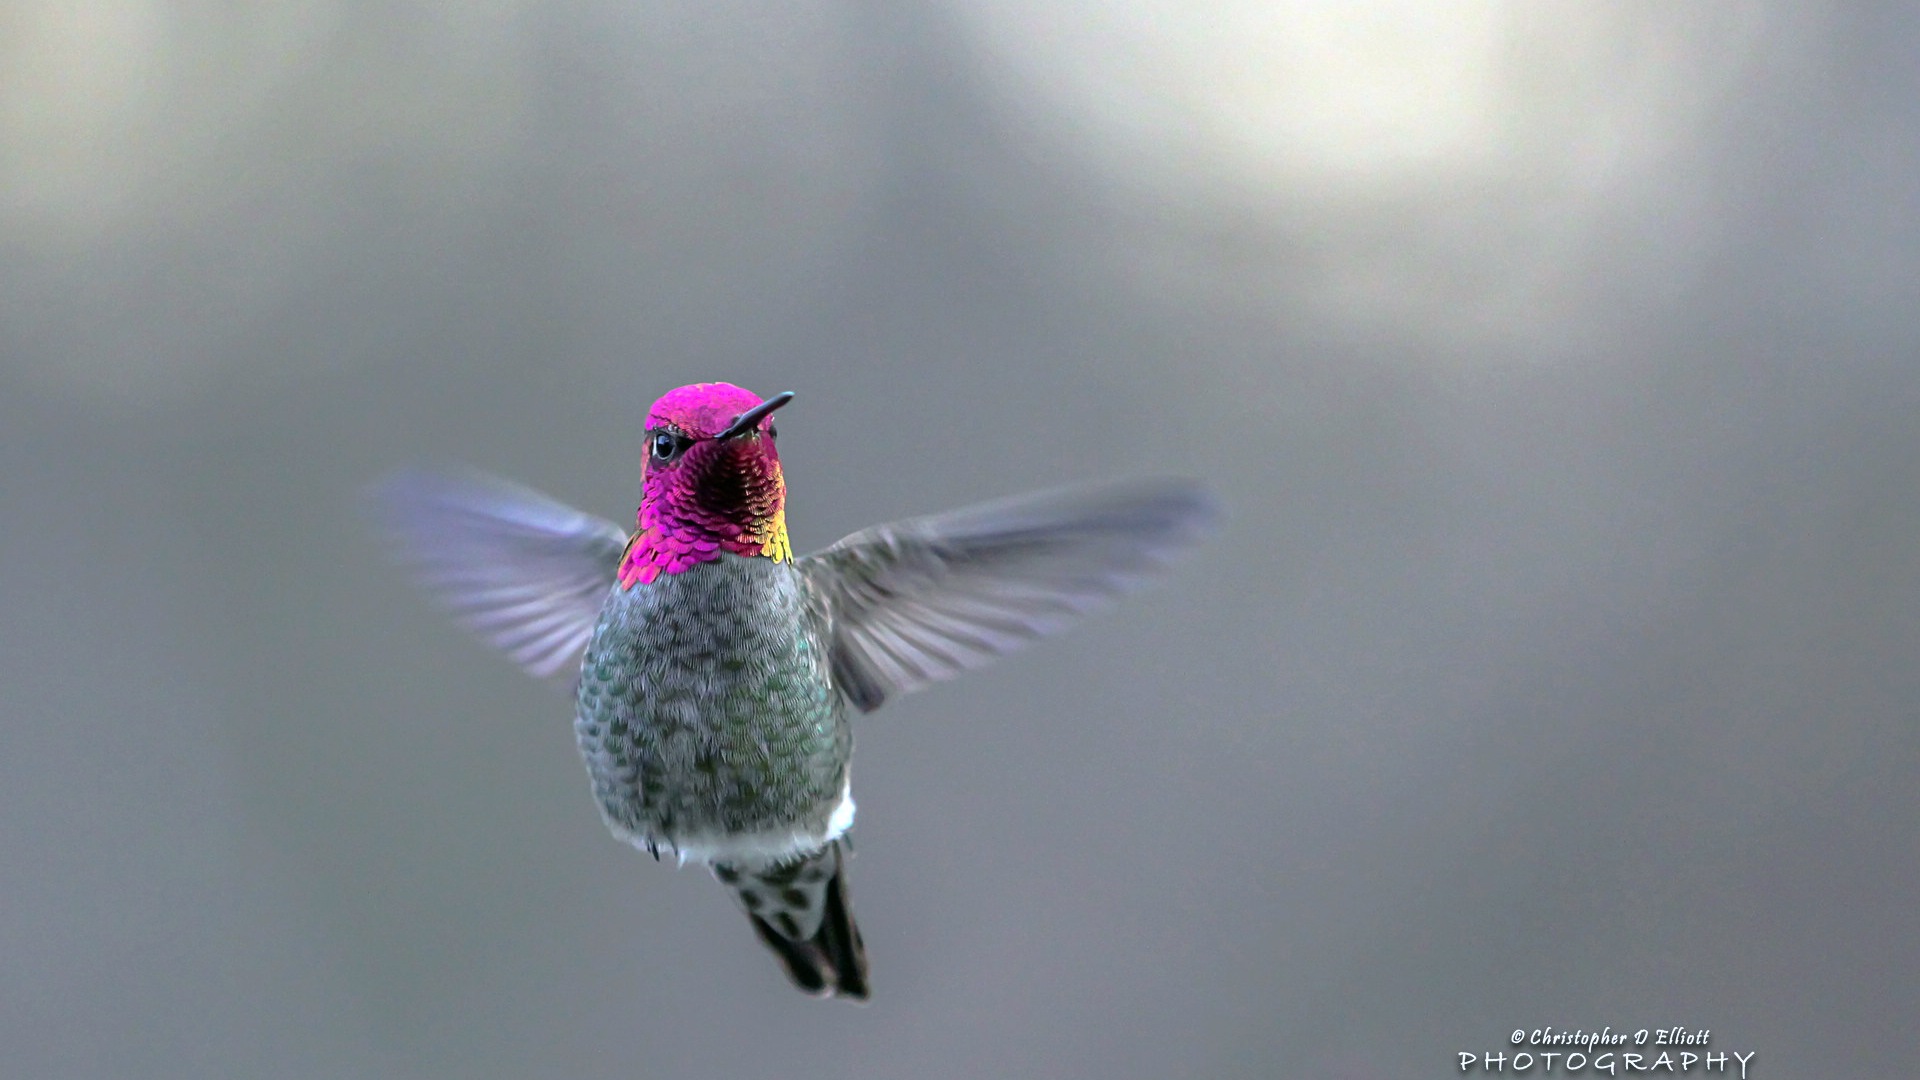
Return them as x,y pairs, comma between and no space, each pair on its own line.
705,709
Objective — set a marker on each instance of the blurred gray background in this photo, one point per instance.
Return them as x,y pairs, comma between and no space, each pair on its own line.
1558,364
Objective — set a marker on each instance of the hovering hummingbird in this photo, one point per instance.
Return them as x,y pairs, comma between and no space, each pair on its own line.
716,673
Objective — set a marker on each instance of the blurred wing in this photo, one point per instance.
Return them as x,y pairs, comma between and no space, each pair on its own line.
918,601
524,572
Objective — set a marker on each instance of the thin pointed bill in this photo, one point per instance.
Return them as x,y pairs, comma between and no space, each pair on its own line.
750,419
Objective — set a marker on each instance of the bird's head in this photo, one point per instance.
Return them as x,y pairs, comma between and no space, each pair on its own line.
711,482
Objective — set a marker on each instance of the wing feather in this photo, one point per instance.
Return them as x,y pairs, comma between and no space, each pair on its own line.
918,601
524,572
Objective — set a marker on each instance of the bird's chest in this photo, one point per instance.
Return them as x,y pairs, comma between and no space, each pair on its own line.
706,693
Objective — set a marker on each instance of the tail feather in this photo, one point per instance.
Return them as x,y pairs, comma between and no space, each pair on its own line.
800,911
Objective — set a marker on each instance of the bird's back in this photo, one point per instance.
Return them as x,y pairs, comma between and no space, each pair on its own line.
707,715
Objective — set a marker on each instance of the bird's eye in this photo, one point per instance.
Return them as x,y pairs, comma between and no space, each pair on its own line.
771,432
667,446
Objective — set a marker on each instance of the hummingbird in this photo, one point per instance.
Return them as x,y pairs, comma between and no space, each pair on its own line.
715,675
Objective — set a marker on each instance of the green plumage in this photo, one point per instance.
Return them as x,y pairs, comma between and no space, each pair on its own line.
706,711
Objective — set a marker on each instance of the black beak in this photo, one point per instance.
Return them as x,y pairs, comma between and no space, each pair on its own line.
750,419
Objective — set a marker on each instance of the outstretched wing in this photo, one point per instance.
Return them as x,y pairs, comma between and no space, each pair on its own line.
918,601
526,573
